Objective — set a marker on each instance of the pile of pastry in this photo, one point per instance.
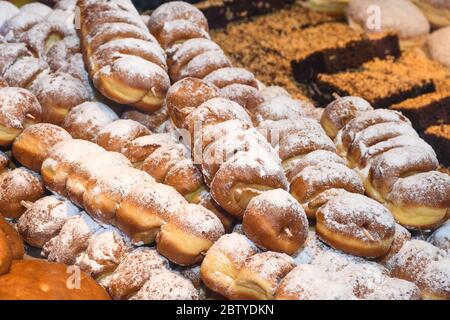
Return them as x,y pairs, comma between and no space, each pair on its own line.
208,183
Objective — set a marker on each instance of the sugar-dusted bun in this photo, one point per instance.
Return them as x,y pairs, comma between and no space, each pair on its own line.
401,236
19,108
157,288
37,8
275,221
116,135
441,237
8,10
105,250
44,219
140,148
340,111
357,225
90,167
189,234
134,271
154,121
260,276
245,95
58,93
42,280
177,31
61,159
223,261
59,54
13,239
308,282
104,193
16,186
437,46
24,71
31,146
184,96
227,76
175,10
72,240
87,119
14,27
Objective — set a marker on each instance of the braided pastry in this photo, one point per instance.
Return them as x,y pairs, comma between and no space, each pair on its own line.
124,60
397,167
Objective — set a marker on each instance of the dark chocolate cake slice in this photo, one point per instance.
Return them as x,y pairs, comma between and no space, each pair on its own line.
439,138
382,82
221,12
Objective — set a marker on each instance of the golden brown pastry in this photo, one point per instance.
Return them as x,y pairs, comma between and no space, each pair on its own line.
223,261
5,254
275,221
31,146
154,121
19,109
260,276
87,119
41,280
13,239
18,185
357,225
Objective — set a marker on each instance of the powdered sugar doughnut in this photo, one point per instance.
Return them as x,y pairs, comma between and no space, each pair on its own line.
105,192
13,28
271,92
140,148
62,51
401,236
245,95
156,287
37,8
224,260
24,71
90,167
134,271
19,109
116,135
105,250
205,63
72,240
8,10
275,221
357,225
441,237
307,282
87,119
44,219
279,108
175,10
10,53
16,186
260,275
176,31
226,76
58,93
31,146
154,121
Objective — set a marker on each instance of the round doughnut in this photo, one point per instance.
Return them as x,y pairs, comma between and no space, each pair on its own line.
279,108
19,109
223,261
187,236
341,111
134,271
178,56
245,95
186,95
31,146
116,135
271,92
175,10
227,76
205,63
356,225
156,287
146,208
14,27
24,71
104,193
400,16
435,280
13,238
44,219
309,282
275,221
61,159
94,165
58,93
87,119
42,36
42,280
177,31
401,236
16,186
260,276
140,148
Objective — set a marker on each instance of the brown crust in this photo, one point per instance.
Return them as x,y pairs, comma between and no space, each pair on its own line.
41,280
5,254
13,238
